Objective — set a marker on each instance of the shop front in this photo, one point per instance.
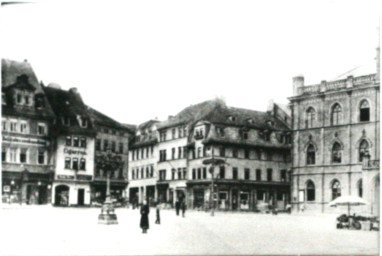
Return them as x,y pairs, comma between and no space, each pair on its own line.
71,190
98,192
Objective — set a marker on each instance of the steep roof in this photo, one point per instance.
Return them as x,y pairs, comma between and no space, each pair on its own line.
101,119
66,103
20,75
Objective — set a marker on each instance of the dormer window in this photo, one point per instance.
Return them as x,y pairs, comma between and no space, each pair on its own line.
26,100
232,118
83,122
40,101
19,99
244,134
66,121
220,131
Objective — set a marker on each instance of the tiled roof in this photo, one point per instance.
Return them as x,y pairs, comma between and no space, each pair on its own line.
20,75
101,119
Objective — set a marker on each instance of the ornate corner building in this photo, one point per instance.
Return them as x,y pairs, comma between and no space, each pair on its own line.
336,140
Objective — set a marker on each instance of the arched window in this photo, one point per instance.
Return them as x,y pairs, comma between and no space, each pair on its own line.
359,187
336,153
310,117
336,114
310,191
311,155
363,149
364,111
336,189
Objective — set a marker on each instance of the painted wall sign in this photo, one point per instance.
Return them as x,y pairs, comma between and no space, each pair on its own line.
84,177
74,152
25,140
65,177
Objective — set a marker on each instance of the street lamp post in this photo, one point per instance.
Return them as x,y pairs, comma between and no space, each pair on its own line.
213,162
108,163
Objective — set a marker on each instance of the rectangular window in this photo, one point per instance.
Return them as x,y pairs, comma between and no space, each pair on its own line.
142,173
113,146
105,145
13,126
66,120
142,153
13,155
173,153
18,98
279,196
205,173
3,155
75,163
184,152
258,174
41,130
283,176
260,195
83,142
199,152
246,154
98,144
23,155
68,141
26,98
258,154
199,173
23,127
234,152
162,136
41,157
67,162
222,151
180,132
76,142
151,171
364,114
193,174
121,147
173,133
4,125
234,173
184,173
179,173
269,174
147,172
246,173
222,172
83,164
179,152
173,174
268,156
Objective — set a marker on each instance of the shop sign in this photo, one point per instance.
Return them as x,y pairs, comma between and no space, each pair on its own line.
84,177
25,140
74,152
7,188
65,177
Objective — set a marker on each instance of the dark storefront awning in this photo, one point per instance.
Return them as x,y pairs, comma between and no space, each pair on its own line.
102,183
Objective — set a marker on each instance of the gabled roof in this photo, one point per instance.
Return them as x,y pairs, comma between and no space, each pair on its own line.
20,75
101,119
66,103
147,124
192,113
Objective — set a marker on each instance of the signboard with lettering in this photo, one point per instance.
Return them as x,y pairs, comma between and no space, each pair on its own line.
25,140
74,152
84,177
65,177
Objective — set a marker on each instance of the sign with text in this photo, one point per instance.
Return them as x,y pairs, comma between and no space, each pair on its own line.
25,140
74,152
65,177
84,177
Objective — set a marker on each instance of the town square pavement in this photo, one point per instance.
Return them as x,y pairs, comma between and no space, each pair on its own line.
47,230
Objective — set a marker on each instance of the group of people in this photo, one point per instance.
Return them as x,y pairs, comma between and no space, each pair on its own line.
145,210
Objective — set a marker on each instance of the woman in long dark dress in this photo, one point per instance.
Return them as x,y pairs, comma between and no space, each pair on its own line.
145,210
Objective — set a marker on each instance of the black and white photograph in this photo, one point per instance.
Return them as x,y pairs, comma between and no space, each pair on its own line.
195,127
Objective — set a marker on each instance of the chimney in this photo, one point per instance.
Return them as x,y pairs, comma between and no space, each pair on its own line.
298,81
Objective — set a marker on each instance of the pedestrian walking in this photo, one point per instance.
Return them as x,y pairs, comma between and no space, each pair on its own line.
183,206
145,210
177,206
157,221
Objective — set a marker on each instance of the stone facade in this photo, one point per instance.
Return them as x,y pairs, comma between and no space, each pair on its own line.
335,128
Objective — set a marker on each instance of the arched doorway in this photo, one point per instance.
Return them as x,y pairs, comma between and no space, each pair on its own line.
61,195
376,195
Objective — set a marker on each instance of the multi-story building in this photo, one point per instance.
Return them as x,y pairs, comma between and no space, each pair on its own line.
27,166
336,140
111,137
74,147
143,159
254,147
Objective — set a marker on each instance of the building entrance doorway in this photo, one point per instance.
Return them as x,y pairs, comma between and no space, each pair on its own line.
81,196
234,199
244,200
61,195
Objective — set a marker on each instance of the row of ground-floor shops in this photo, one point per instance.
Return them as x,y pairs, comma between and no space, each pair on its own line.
38,188
225,196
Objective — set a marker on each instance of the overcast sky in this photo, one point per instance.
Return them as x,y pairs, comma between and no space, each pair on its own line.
137,60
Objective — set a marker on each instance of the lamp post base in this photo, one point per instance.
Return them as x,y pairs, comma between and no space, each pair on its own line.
107,216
